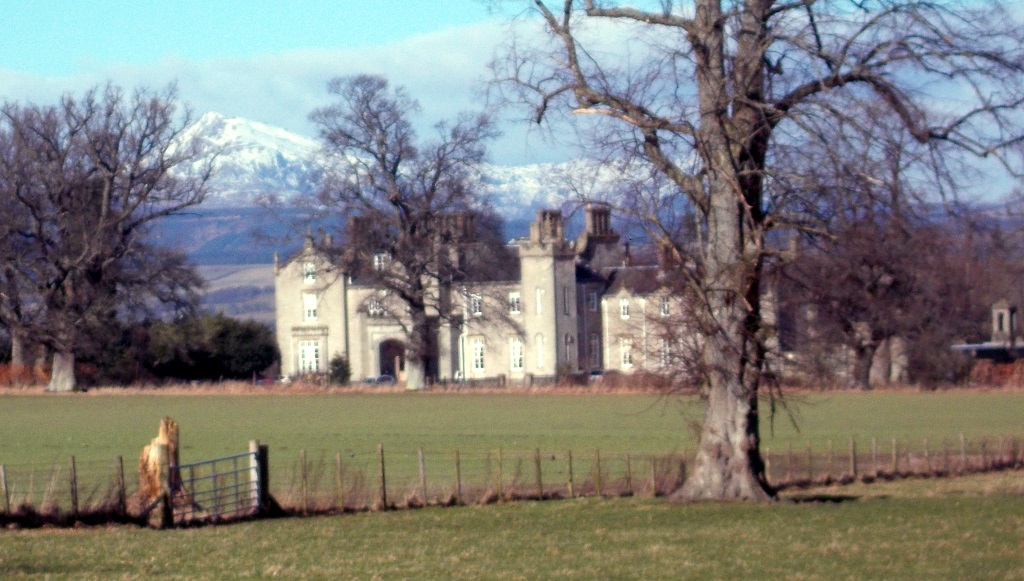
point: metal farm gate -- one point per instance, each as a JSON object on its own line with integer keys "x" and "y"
{"x": 220, "y": 489}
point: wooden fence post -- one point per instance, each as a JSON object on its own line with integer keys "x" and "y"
{"x": 383, "y": 477}
{"x": 598, "y": 484}
{"x": 73, "y": 487}
{"x": 537, "y": 473}
{"x": 789, "y": 463}
{"x": 963, "y": 453}
{"x": 895, "y": 458}
{"x": 831, "y": 462}
{"x": 768, "y": 464}
{"x": 501, "y": 474}
{"x": 569, "y": 485}
{"x": 339, "y": 481}
{"x": 423, "y": 476}
{"x": 853, "y": 458}
{"x": 654, "y": 477}
{"x": 629, "y": 476}
{"x": 927, "y": 458}
{"x": 122, "y": 503}
{"x": 305, "y": 482}
{"x": 164, "y": 472}
{"x": 874, "y": 457}
{"x": 458, "y": 478}
{"x": 6, "y": 491}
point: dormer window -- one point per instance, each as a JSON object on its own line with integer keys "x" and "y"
{"x": 308, "y": 272}
{"x": 375, "y": 309}
{"x": 666, "y": 308}
{"x": 476, "y": 305}
{"x": 381, "y": 260}
{"x": 515, "y": 303}
{"x": 624, "y": 308}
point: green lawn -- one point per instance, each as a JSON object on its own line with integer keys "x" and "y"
{"x": 965, "y": 528}
{"x": 970, "y": 527}
{"x": 48, "y": 428}
{"x": 39, "y": 433}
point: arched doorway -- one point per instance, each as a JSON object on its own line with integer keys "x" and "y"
{"x": 392, "y": 358}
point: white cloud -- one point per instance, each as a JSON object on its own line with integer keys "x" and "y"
{"x": 444, "y": 70}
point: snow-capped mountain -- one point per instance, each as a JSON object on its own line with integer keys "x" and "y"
{"x": 254, "y": 158}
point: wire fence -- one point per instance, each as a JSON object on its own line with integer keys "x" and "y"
{"x": 325, "y": 481}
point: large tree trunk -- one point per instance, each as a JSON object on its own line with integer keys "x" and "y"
{"x": 864, "y": 356}
{"x": 62, "y": 376}
{"x": 728, "y": 465}
{"x": 20, "y": 373}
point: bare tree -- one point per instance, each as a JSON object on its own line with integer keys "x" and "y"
{"x": 87, "y": 178}
{"x": 416, "y": 229}
{"x": 704, "y": 95}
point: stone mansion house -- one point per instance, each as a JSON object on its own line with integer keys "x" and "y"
{"x": 572, "y": 306}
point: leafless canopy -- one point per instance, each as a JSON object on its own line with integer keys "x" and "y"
{"x": 415, "y": 226}
{"x": 83, "y": 181}
{"x": 706, "y": 94}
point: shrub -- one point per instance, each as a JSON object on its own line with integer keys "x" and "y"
{"x": 341, "y": 372}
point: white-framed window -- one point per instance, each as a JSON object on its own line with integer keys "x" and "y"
{"x": 308, "y": 272}
{"x": 565, "y": 301}
{"x": 539, "y": 344}
{"x": 478, "y": 354}
{"x": 515, "y": 303}
{"x": 375, "y": 309}
{"x": 594, "y": 348}
{"x": 569, "y": 341}
{"x": 624, "y": 308}
{"x": 665, "y": 353}
{"x": 309, "y": 356}
{"x": 540, "y": 301}
{"x": 381, "y": 260}
{"x": 666, "y": 307}
{"x": 592, "y": 300}
{"x": 515, "y": 350}
{"x": 626, "y": 352}
{"x": 309, "y": 306}
{"x": 476, "y": 305}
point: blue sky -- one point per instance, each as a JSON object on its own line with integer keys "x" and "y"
{"x": 264, "y": 60}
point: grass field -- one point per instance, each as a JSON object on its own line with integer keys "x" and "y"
{"x": 38, "y": 433}
{"x": 43, "y": 429}
{"x": 963, "y": 528}
{"x": 968, "y": 527}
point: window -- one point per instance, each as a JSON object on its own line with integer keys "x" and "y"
{"x": 380, "y": 260}
{"x": 666, "y": 352}
{"x": 476, "y": 305}
{"x": 515, "y": 349}
{"x": 624, "y": 308}
{"x": 592, "y": 301}
{"x": 309, "y": 356}
{"x": 308, "y": 272}
{"x": 540, "y": 351}
{"x": 540, "y": 301}
{"x": 565, "y": 301}
{"x": 666, "y": 307}
{"x": 594, "y": 349}
{"x": 626, "y": 350}
{"x": 478, "y": 354}
{"x": 515, "y": 305}
{"x": 309, "y": 306}
{"x": 375, "y": 309}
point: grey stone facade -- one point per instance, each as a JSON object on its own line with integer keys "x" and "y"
{"x": 561, "y": 314}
